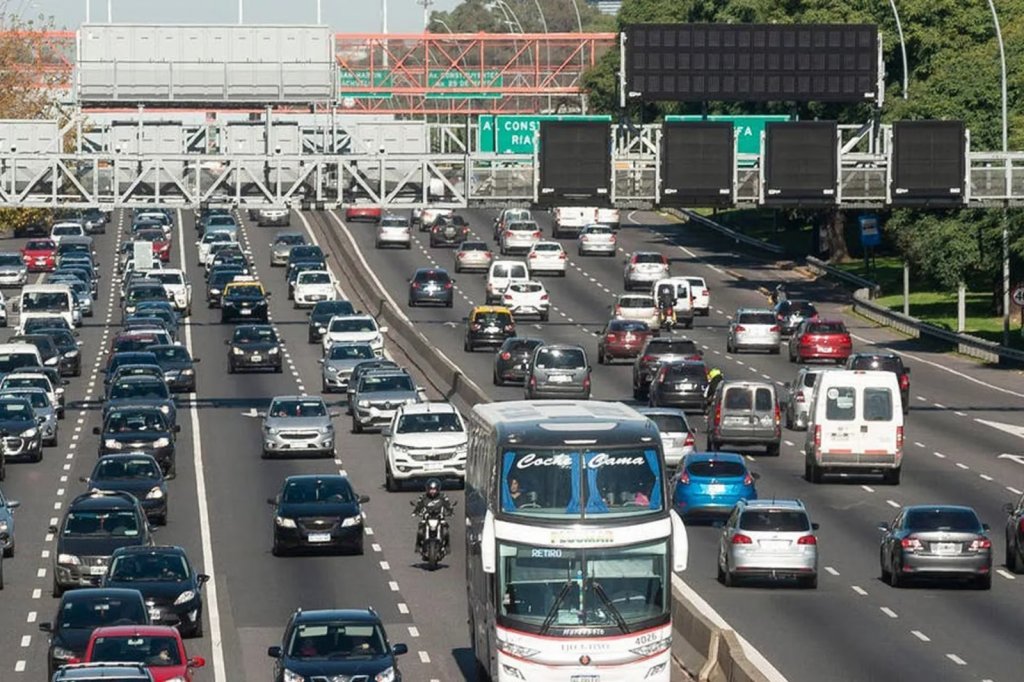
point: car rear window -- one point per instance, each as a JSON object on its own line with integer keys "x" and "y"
{"x": 627, "y": 326}
{"x": 885, "y": 364}
{"x": 716, "y": 468}
{"x": 777, "y": 520}
{"x": 737, "y": 398}
{"x": 493, "y": 318}
{"x": 756, "y": 318}
{"x": 827, "y": 328}
{"x": 877, "y": 404}
{"x": 670, "y": 423}
{"x": 840, "y": 403}
{"x": 636, "y": 302}
{"x": 474, "y": 246}
{"x": 547, "y": 246}
{"x": 673, "y": 347}
{"x": 520, "y": 346}
{"x": 527, "y": 287}
{"x": 648, "y": 258}
{"x": 431, "y": 276}
{"x": 963, "y": 520}
{"x": 560, "y": 358}
{"x": 805, "y": 308}
{"x": 687, "y": 372}
{"x": 763, "y": 400}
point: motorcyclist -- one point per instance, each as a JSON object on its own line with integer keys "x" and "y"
{"x": 779, "y": 294}
{"x": 666, "y": 302}
{"x": 715, "y": 377}
{"x": 433, "y": 500}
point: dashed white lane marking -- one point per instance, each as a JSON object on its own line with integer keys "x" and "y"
{"x": 939, "y": 455}
{"x": 414, "y": 631}
{"x": 922, "y": 398}
{"x": 26, "y": 640}
{"x": 788, "y": 443}
{"x": 1014, "y": 490}
{"x": 859, "y": 590}
{"x": 893, "y": 503}
{"x": 1006, "y": 574}
{"x": 19, "y": 667}
{"x": 920, "y": 635}
{"x": 985, "y": 477}
{"x": 889, "y": 612}
{"x": 956, "y": 659}
{"x": 393, "y": 585}
{"x": 41, "y": 573}
{"x": 403, "y": 608}
{"x": 368, "y": 530}
{"x": 939, "y": 405}
{"x": 375, "y": 547}
{"x": 960, "y": 414}
{"x": 385, "y": 566}
{"x": 831, "y": 571}
{"x": 868, "y": 489}
{"x": 424, "y": 657}
{"x": 37, "y": 593}
{"x": 919, "y": 444}
{"x": 961, "y": 465}
{"x": 32, "y": 615}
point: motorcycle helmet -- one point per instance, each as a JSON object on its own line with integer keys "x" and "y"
{"x": 433, "y": 488}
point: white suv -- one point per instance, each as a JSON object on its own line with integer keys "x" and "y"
{"x": 312, "y": 287}
{"x": 527, "y": 298}
{"x": 501, "y": 275}
{"x": 424, "y": 440}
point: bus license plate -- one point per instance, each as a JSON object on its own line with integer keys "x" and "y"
{"x": 319, "y": 537}
{"x": 585, "y": 678}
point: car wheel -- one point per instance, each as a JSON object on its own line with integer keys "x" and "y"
{"x": 265, "y": 454}
{"x": 497, "y": 380}
{"x": 983, "y": 582}
{"x": 276, "y": 549}
{"x": 775, "y": 351}
{"x": 809, "y": 582}
{"x": 356, "y": 426}
{"x": 545, "y": 317}
{"x": 9, "y": 552}
{"x": 161, "y": 520}
{"x": 390, "y": 484}
{"x": 278, "y": 369}
{"x": 1012, "y": 557}
{"x": 891, "y": 476}
{"x": 721, "y": 573}
{"x": 358, "y": 549}
{"x": 449, "y": 303}
{"x": 773, "y": 449}
{"x": 894, "y": 575}
{"x": 58, "y": 591}
{"x": 466, "y": 347}
{"x": 601, "y": 359}
{"x": 38, "y": 457}
{"x": 729, "y": 578}
{"x": 883, "y": 569}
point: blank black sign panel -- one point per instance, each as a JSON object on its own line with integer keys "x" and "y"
{"x": 929, "y": 160}
{"x": 575, "y": 161}
{"x": 801, "y": 163}
{"x": 697, "y": 163}
{"x": 752, "y": 62}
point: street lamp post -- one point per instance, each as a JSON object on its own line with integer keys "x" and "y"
{"x": 1006, "y": 177}
{"x": 903, "y": 46}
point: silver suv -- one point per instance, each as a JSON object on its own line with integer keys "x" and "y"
{"x": 558, "y": 371}
{"x": 378, "y": 397}
{"x": 798, "y": 396}
{"x": 769, "y": 539}
{"x": 745, "y": 413}
{"x": 754, "y": 329}
{"x": 297, "y": 424}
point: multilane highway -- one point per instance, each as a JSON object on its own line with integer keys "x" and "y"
{"x": 852, "y": 628}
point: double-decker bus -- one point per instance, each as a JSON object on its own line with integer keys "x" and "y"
{"x": 570, "y": 543}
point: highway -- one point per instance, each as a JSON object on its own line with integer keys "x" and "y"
{"x": 852, "y": 628}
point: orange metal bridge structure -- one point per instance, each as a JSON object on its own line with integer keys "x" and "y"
{"x": 432, "y": 73}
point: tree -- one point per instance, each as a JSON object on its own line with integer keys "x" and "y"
{"x": 472, "y": 16}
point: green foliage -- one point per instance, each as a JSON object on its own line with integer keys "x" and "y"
{"x": 559, "y": 16}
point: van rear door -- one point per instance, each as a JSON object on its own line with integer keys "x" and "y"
{"x": 878, "y": 429}
{"x": 840, "y": 430}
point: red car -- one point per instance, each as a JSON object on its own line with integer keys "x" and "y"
{"x": 820, "y": 340}
{"x": 158, "y": 647}
{"x": 40, "y": 255}
{"x": 362, "y": 212}
{"x": 622, "y": 339}
{"x": 161, "y": 243}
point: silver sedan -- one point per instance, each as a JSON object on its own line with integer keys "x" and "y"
{"x": 282, "y": 246}
{"x": 44, "y": 410}
{"x": 339, "y": 361}
{"x": 297, "y": 425}
{"x": 473, "y": 255}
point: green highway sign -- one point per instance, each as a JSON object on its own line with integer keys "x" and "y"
{"x": 508, "y": 134}
{"x": 361, "y": 79}
{"x": 748, "y": 128}
{"x": 436, "y": 78}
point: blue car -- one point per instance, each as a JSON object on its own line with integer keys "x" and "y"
{"x": 711, "y": 483}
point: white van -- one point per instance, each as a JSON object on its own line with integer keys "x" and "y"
{"x": 44, "y": 300}
{"x": 855, "y": 424}
{"x": 503, "y": 273}
{"x": 684, "y": 299}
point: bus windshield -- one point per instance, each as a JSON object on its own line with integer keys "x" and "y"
{"x": 620, "y": 588}
{"x": 560, "y": 483}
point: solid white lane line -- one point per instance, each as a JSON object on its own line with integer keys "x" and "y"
{"x": 889, "y": 612}
{"x": 920, "y": 635}
{"x": 956, "y": 659}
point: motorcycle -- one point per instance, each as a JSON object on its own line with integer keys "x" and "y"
{"x": 434, "y": 546}
{"x": 667, "y": 318}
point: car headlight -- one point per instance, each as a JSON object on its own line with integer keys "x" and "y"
{"x": 399, "y": 449}
{"x": 237, "y": 351}
{"x": 179, "y": 678}
{"x": 516, "y": 650}
{"x": 3, "y": 527}
{"x": 386, "y": 675}
{"x": 364, "y": 403}
{"x": 30, "y": 433}
{"x": 161, "y": 442}
{"x": 62, "y": 654}
{"x": 326, "y": 429}
{"x": 331, "y": 369}
{"x": 51, "y": 361}
{"x": 71, "y": 354}
{"x": 378, "y": 340}
{"x": 275, "y": 350}
{"x": 185, "y": 597}
{"x": 155, "y": 494}
{"x": 214, "y": 292}
{"x": 271, "y": 431}
{"x": 289, "y": 676}
{"x": 166, "y": 409}
{"x": 461, "y": 449}
{"x": 351, "y": 521}
{"x": 187, "y": 372}
{"x": 112, "y": 444}
{"x": 284, "y": 522}
{"x": 322, "y": 330}
{"x": 68, "y": 560}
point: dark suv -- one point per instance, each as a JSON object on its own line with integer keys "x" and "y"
{"x": 657, "y": 351}
{"x": 336, "y": 644}
{"x": 430, "y": 285}
{"x": 680, "y": 384}
{"x": 95, "y": 524}
{"x": 885, "y": 362}
{"x": 321, "y": 315}
{"x": 512, "y": 361}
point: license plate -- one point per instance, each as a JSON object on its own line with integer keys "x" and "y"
{"x": 947, "y": 547}
{"x": 319, "y": 537}
{"x": 97, "y": 570}
{"x": 433, "y": 466}
{"x": 716, "y": 489}
{"x": 737, "y": 420}
{"x": 684, "y": 386}
{"x": 257, "y": 358}
{"x": 245, "y": 311}
{"x": 154, "y": 614}
{"x": 585, "y": 678}
{"x": 491, "y": 330}
{"x": 824, "y": 349}
{"x": 774, "y": 545}
{"x": 560, "y": 379}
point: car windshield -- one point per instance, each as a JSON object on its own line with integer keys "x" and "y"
{"x": 560, "y": 358}
{"x": 353, "y": 324}
{"x": 149, "y": 568}
{"x": 336, "y": 640}
{"x": 774, "y": 520}
{"x": 437, "y": 422}
{"x": 561, "y": 482}
{"x": 522, "y": 346}
{"x": 102, "y": 523}
{"x": 7, "y": 259}
{"x": 139, "y": 389}
{"x": 255, "y": 335}
{"x": 32, "y": 301}
{"x": 130, "y": 422}
{"x": 298, "y": 408}
{"x": 16, "y": 410}
{"x": 172, "y": 354}
{"x": 314, "y": 278}
{"x": 394, "y": 221}
{"x": 327, "y": 309}
{"x": 349, "y": 352}
{"x": 306, "y": 490}
{"x": 387, "y": 382}
{"x": 939, "y": 519}
{"x": 621, "y": 588}
{"x": 245, "y": 290}
{"x": 669, "y": 423}
{"x": 547, "y": 246}
{"x": 716, "y": 468}
{"x": 136, "y": 342}
{"x": 290, "y": 240}
{"x": 40, "y": 245}
{"x": 80, "y": 612}
{"x": 756, "y": 318}
{"x": 218, "y": 236}
{"x": 155, "y": 652}
{"x": 145, "y": 293}
{"x": 513, "y": 271}
{"x": 36, "y": 399}
{"x": 306, "y": 252}
{"x": 127, "y": 469}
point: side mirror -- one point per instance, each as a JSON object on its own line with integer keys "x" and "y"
{"x": 177, "y": 428}
{"x": 65, "y": 382}
{"x": 815, "y": 526}
{"x": 363, "y": 499}
{"x": 96, "y": 430}
{"x": 13, "y": 504}
{"x": 986, "y": 527}
{"x": 194, "y": 360}
{"x": 202, "y": 578}
{"x": 754, "y": 475}
{"x": 196, "y": 662}
{"x": 399, "y": 649}
{"x": 268, "y": 294}
{"x": 274, "y": 651}
{"x": 385, "y": 431}
{"x": 320, "y": 361}
{"x": 261, "y": 415}
{"x": 170, "y": 476}
{"x": 53, "y": 529}
{"x": 906, "y": 370}
{"x": 334, "y": 415}
{"x": 46, "y": 627}
{"x": 883, "y": 526}
{"x": 1008, "y": 507}
{"x": 227, "y": 342}
{"x": 272, "y": 501}
{"x": 383, "y": 330}
{"x": 412, "y": 503}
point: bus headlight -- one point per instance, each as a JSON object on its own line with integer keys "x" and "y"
{"x": 516, "y": 650}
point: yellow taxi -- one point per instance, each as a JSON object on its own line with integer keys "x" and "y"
{"x": 488, "y": 326}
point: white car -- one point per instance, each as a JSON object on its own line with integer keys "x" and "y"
{"x": 501, "y": 275}
{"x": 177, "y": 285}
{"x": 519, "y": 237}
{"x": 640, "y": 307}
{"x": 208, "y": 240}
{"x": 527, "y": 299}
{"x": 424, "y": 440}
{"x": 547, "y": 257}
{"x": 701, "y": 295}
{"x": 643, "y": 269}
{"x": 354, "y": 328}
{"x": 596, "y": 239}
{"x": 66, "y": 229}
{"x": 393, "y": 230}
{"x": 313, "y": 286}
{"x": 508, "y": 216}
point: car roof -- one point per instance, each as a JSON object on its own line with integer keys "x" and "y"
{"x": 297, "y": 397}
{"x": 429, "y": 408}
{"x": 732, "y": 383}
{"x": 357, "y": 615}
{"x": 772, "y": 503}
{"x": 944, "y": 507}
{"x": 316, "y": 477}
{"x": 102, "y": 499}
{"x": 143, "y": 630}
{"x": 754, "y": 310}
{"x": 648, "y": 410}
{"x": 490, "y": 309}
{"x": 100, "y": 592}
{"x": 560, "y": 346}
{"x": 711, "y": 456}
{"x": 438, "y": 271}
{"x": 152, "y": 549}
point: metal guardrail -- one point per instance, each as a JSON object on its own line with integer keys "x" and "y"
{"x": 730, "y": 233}
{"x": 861, "y": 283}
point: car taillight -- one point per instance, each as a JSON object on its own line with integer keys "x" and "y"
{"x": 508, "y": 297}
{"x": 899, "y": 437}
{"x": 817, "y": 436}
{"x": 684, "y": 478}
{"x": 778, "y": 414}
{"x": 911, "y": 543}
{"x": 690, "y": 440}
{"x": 981, "y": 543}
{"x": 646, "y": 358}
{"x": 618, "y": 310}
{"x": 461, "y": 255}
{"x": 533, "y": 254}
{"x": 561, "y": 255}
{"x": 510, "y": 327}
{"x": 610, "y": 337}
{"x": 718, "y": 414}
{"x": 807, "y": 540}
{"x": 846, "y": 340}
{"x": 613, "y": 239}
{"x": 1020, "y": 525}
{"x": 415, "y": 285}
{"x": 805, "y": 340}
{"x": 506, "y": 356}
{"x": 586, "y": 382}
{"x": 536, "y": 235}
{"x": 740, "y": 328}
{"x": 662, "y": 373}
{"x": 705, "y": 292}
{"x": 775, "y": 328}
{"x": 904, "y": 382}
{"x": 447, "y": 285}
{"x": 741, "y": 539}
{"x": 748, "y": 479}
{"x": 508, "y": 233}
{"x": 475, "y": 327}
{"x": 799, "y": 397}
{"x": 544, "y": 297}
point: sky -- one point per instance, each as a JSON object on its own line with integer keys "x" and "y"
{"x": 344, "y": 16}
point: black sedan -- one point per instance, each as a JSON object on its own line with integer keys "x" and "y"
{"x": 430, "y": 285}
{"x": 512, "y": 361}
{"x": 139, "y": 429}
{"x": 141, "y": 390}
{"x": 135, "y": 473}
{"x": 254, "y": 346}
{"x": 70, "y": 362}
{"x": 172, "y": 589}
{"x": 449, "y": 231}
{"x": 322, "y": 313}
{"x": 316, "y": 512}
{"x": 178, "y": 366}
{"x": 679, "y": 384}
{"x": 218, "y": 279}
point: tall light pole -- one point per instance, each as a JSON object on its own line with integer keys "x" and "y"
{"x": 903, "y": 45}
{"x": 241, "y": 11}
{"x": 319, "y": 12}
{"x": 579, "y": 21}
{"x": 1006, "y": 178}
{"x": 110, "y": 11}
{"x": 88, "y": 11}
